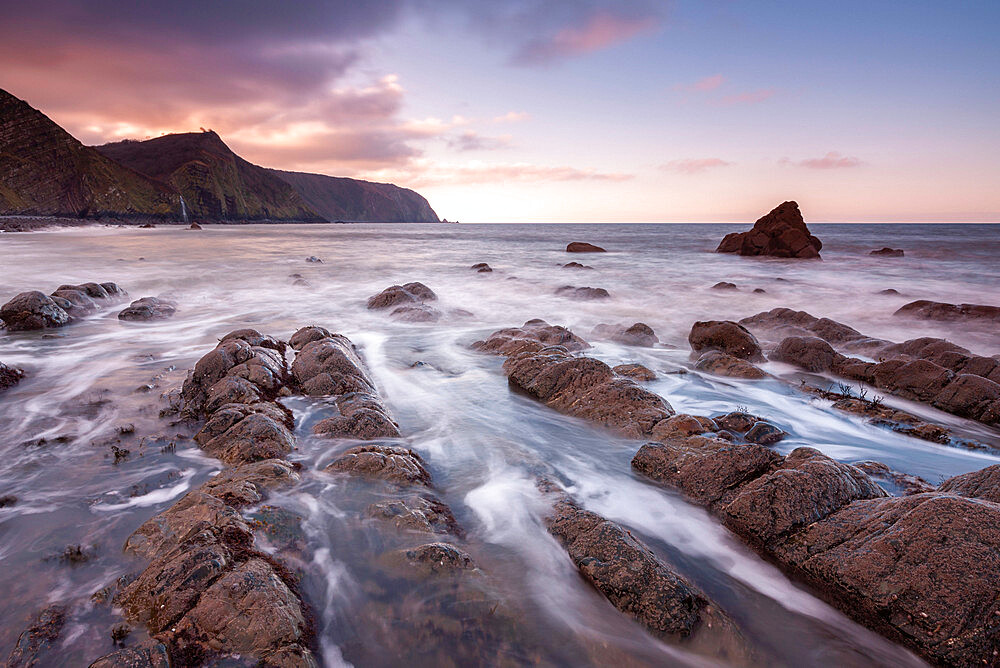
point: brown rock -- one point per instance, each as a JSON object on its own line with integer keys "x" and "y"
{"x": 582, "y": 294}
{"x": 254, "y": 438}
{"x": 737, "y": 421}
{"x": 9, "y": 376}
{"x": 32, "y": 310}
{"x": 151, "y": 655}
{"x": 889, "y": 478}
{"x": 764, "y": 433}
{"x": 727, "y": 336}
{"x": 575, "y": 265}
{"x": 724, "y": 285}
{"x": 635, "y": 372}
{"x": 808, "y": 352}
{"x": 638, "y": 334}
{"x": 416, "y": 313}
{"x": 41, "y": 633}
{"x": 583, "y": 247}
{"x": 307, "y": 335}
{"x": 409, "y": 293}
{"x": 981, "y": 484}
{"x": 888, "y": 252}
{"x": 432, "y": 559}
{"x": 331, "y": 366}
{"x": 533, "y": 336}
{"x": 919, "y": 380}
{"x": 385, "y": 462}
{"x": 972, "y": 397}
{"x": 723, "y": 364}
{"x": 929, "y": 310}
{"x": 683, "y": 425}
{"x": 423, "y": 513}
{"x": 781, "y": 233}
{"x": 148, "y": 308}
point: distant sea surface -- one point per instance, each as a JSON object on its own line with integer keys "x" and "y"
{"x": 484, "y": 444}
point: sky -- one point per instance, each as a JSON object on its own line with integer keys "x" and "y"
{"x": 552, "y": 111}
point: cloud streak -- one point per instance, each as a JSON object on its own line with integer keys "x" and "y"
{"x": 832, "y": 160}
{"x": 694, "y": 165}
{"x": 599, "y": 30}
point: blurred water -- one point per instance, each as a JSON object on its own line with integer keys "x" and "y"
{"x": 484, "y": 445}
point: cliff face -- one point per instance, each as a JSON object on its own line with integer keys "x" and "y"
{"x": 216, "y": 183}
{"x": 354, "y": 201}
{"x": 44, "y": 171}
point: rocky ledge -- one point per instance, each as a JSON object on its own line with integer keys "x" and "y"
{"x": 781, "y": 233}
{"x": 36, "y": 310}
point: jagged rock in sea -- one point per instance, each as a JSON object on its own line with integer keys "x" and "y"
{"x": 729, "y": 337}
{"x": 35, "y": 310}
{"x": 930, "y": 310}
{"x": 9, "y": 376}
{"x": 44, "y": 171}
{"x": 149, "y": 308}
{"x": 781, "y": 233}
{"x": 637, "y": 334}
{"x": 582, "y": 293}
{"x": 408, "y": 293}
{"x": 888, "y": 252}
{"x": 583, "y": 247}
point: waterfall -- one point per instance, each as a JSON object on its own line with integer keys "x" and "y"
{"x": 184, "y": 211}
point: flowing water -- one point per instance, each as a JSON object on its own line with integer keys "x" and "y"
{"x": 98, "y": 383}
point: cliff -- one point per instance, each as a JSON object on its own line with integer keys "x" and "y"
{"x": 354, "y": 201}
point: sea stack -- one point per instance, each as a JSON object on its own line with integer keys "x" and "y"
{"x": 781, "y": 233}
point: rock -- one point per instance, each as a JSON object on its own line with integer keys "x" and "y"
{"x": 635, "y": 371}
{"x": 424, "y": 513}
{"x": 587, "y": 388}
{"x": 153, "y": 655}
{"x": 575, "y": 265}
{"x": 888, "y": 291}
{"x": 410, "y": 293}
{"x": 785, "y": 322}
{"x": 709, "y": 470}
{"x": 888, "y": 252}
{"x": 195, "y": 226}
{"x": 727, "y": 336}
{"x": 9, "y": 376}
{"x": 723, "y": 364}
{"x": 889, "y": 479}
{"x": 632, "y": 577}
{"x": 32, "y": 310}
{"x": 759, "y": 291}
{"x": 682, "y": 425}
{"x": 416, "y": 313}
{"x": 308, "y": 335}
{"x": 723, "y": 285}
{"x": 737, "y": 421}
{"x": 76, "y": 303}
{"x": 314, "y": 259}
{"x": 482, "y": 268}
{"x": 533, "y": 336}
{"x": 7, "y": 500}
{"x": 781, "y": 233}
{"x": 972, "y": 397}
{"x": 919, "y": 380}
{"x": 982, "y": 484}
{"x": 582, "y": 294}
{"x": 583, "y": 247}
{"x": 149, "y": 308}
{"x": 638, "y": 334}
{"x": 385, "y": 462}
{"x": 331, "y": 366}
{"x": 242, "y": 354}
{"x": 764, "y": 433}
{"x": 362, "y": 417}
{"x": 433, "y": 559}
{"x": 929, "y": 310}
{"x": 254, "y": 438}
{"x": 808, "y": 352}
{"x": 40, "y": 635}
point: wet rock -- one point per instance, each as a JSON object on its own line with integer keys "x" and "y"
{"x": 930, "y": 310}
{"x": 385, "y": 462}
{"x": 575, "y": 265}
{"x": 195, "y": 226}
{"x": 638, "y": 334}
{"x": 759, "y": 291}
{"x": 583, "y": 247}
{"x": 154, "y": 655}
{"x": 482, "y": 268}
{"x": 723, "y": 364}
{"x": 331, "y": 366}
{"x": 786, "y": 322}
{"x": 229, "y": 415}
{"x": 582, "y": 293}
{"x": 631, "y": 576}
{"x": 682, "y": 425}
{"x": 245, "y": 354}
{"x": 7, "y": 500}
{"x": 433, "y": 559}
{"x": 40, "y": 635}
{"x": 889, "y": 478}
{"x": 737, "y": 421}
{"x": 635, "y": 372}
{"x": 808, "y": 352}
{"x": 409, "y": 293}
{"x": 727, "y": 336}
{"x": 248, "y": 484}
{"x": 709, "y": 470}
{"x": 32, "y": 310}
{"x": 972, "y": 397}
{"x": 9, "y": 376}
{"x": 919, "y": 380}
{"x": 308, "y": 335}
{"x": 76, "y": 303}
{"x": 149, "y": 308}
{"x": 416, "y": 313}
{"x": 533, "y": 336}
{"x": 723, "y": 285}
{"x": 764, "y": 433}
{"x": 781, "y": 233}
{"x": 587, "y": 388}
{"x": 254, "y": 438}
{"x": 362, "y": 417}
{"x": 424, "y": 513}
{"x": 982, "y": 484}
{"x": 314, "y": 259}
{"x": 888, "y": 291}
{"x": 805, "y": 488}
{"x": 195, "y": 512}
{"x": 888, "y": 252}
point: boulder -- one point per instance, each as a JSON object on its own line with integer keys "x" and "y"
{"x": 394, "y": 295}
{"x": 808, "y": 352}
{"x": 416, "y": 313}
{"x": 362, "y": 417}
{"x": 384, "y": 462}
{"x": 724, "y": 285}
{"x": 32, "y": 310}
{"x": 781, "y": 233}
{"x": 971, "y": 396}
{"x": 149, "y": 308}
{"x": 635, "y": 371}
{"x": 575, "y": 265}
{"x": 195, "y": 226}
{"x": 919, "y": 380}
{"x": 9, "y": 376}
{"x": 424, "y": 513}
{"x": 638, "y": 334}
{"x": 482, "y": 268}
{"x": 930, "y": 310}
{"x": 737, "y": 421}
{"x": 888, "y": 252}
{"x": 533, "y": 336}
{"x": 583, "y": 293}
{"x": 148, "y": 655}
{"x": 727, "y": 336}
{"x": 764, "y": 433}
{"x": 894, "y": 481}
{"x": 331, "y": 366}
{"x": 724, "y": 364}
{"x": 681, "y": 426}
{"x": 982, "y": 484}
{"x": 583, "y": 247}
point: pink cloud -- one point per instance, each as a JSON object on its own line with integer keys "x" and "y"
{"x": 703, "y": 85}
{"x": 694, "y": 165}
{"x": 422, "y": 172}
{"x": 832, "y": 160}
{"x": 599, "y": 31}
{"x": 747, "y": 97}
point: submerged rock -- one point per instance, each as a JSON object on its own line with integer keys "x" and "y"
{"x": 781, "y": 233}
{"x": 149, "y": 308}
{"x": 575, "y": 265}
{"x": 727, "y": 336}
{"x": 724, "y": 285}
{"x": 637, "y": 334}
{"x": 423, "y": 513}
{"x": 888, "y": 252}
{"x": 42, "y": 633}
{"x": 9, "y": 376}
{"x": 482, "y": 268}
{"x": 385, "y": 462}
{"x": 583, "y": 247}
{"x": 582, "y": 294}
{"x": 930, "y": 310}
